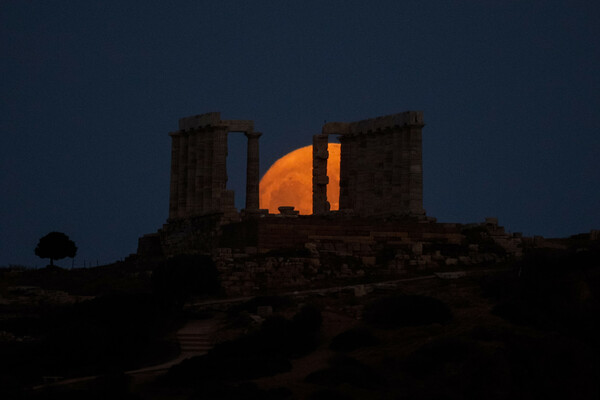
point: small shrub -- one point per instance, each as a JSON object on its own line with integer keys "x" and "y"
{"x": 406, "y": 310}
{"x": 346, "y": 370}
{"x": 244, "y": 390}
{"x": 329, "y": 394}
{"x": 262, "y": 353}
{"x": 278, "y": 303}
{"x": 353, "y": 339}
{"x": 308, "y": 319}
{"x": 184, "y": 276}
{"x": 229, "y": 361}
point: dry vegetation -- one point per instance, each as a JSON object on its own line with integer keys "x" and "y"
{"x": 528, "y": 331}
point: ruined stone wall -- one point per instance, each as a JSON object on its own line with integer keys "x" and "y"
{"x": 319, "y": 175}
{"x": 199, "y": 167}
{"x": 381, "y": 164}
{"x": 302, "y": 252}
{"x": 193, "y": 235}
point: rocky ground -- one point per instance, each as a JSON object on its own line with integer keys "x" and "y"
{"x": 525, "y": 330}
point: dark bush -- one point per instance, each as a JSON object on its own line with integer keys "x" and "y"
{"x": 114, "y": 386}
{"x": 406, "y": 310}
{"x": 502, "y": 364}
{"x": 347, "y": 370}
{"x": 262, "y": 353}
{"x": 184, "y": 276}
{"x": 291, "y": 338}
{"x": 245, "y": 390}
{"x": 308, "y": 319}
{"x": 105, "y": 334}
{"x": 329, "y": 394}
{"x": 553, "y": 290}
{"x": 353, "y": 339}
{"x": 225, "y": 365}
{"x": 277, "y": 302}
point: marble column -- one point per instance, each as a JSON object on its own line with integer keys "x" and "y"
{"x": 191, "y": 173}
{"x": 252, "y": 172}
{"x": 319, "y": 172}
{"x": 182, "y": 176}
{"x": 199, "y": 172}
{"x": 415, "y": 171}
{"x": 219, "y": 169}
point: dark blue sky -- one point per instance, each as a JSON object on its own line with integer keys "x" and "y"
{"x": 90, "y": 90}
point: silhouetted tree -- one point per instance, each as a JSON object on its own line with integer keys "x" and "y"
{"x": 55, "y": 246}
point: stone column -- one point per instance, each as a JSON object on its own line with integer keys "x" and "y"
{"x": 348, "y": 172}
{"x": 344, "y": 171}
{"x": 320, "y": 178}
{"x": 252, "y": 172}
{"x": 199, "y": 173}
{"x": 415, "y": 175}
{"x": 191, "y": 173}
{"x": 208, "y": 172}
{"x": 219, "y": 168}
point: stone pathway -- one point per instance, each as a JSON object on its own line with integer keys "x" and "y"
{"x": 194, "y": 337}
{"x": 194, "y": 340}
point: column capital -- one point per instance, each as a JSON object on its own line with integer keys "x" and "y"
{"x": 252, "y": 135}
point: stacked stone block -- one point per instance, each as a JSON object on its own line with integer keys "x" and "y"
{"x": 199, "y": 167}
{"x": 319, "y": 174}
{"x": 381, "y": 164}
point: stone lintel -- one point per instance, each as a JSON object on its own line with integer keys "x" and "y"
{"x": 246, "y": 126}
{"x": 336, "y": 128}
{"x": 200, "y": 120}
{"x": 407, "y": 118}
{"x": 251, "y": 134}
{"x": 213, "y": 119}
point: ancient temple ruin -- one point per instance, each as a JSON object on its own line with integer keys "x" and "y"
{"x": 380, "y": 230}
{"x": 199, "y": 170}
{"x": 381, "y": 171}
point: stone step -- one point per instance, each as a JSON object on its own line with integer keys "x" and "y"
{"x": 194, "y": 339}
{"x": 195, "y": 349}
{"x": 191, "y": 335}
{"x": 207, "y": 343}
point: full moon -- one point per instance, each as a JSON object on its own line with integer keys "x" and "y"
{"x": 289, "y": 181}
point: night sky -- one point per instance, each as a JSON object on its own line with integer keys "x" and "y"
{"x": 90, "y": 89}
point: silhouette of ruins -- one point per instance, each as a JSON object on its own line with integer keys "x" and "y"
{"x": 381, "y": 170}
{"x": 381, "y": 228}
{"x": 199, "y": 167}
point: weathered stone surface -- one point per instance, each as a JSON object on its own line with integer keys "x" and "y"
{"x": 288, "y": 211}
{"x": 380, "y": 228}
{"x": 199, "y": 170}
{"x": 319, "y": 174}
{"x": 252, "y": 172}
{"x": 381, "y": 164}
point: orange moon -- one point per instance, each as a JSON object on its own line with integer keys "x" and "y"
{"x": 289, "y": 181}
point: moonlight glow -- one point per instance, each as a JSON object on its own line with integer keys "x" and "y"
{"x": 289, "y": 181}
